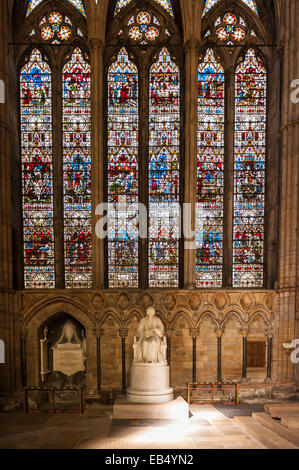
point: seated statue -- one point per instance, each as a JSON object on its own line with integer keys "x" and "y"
{"x": 150, "y": 343}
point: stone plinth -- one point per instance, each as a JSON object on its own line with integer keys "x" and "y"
{"x": 290, "y": 421}
{"x": 176, "y": 409}
{"x": 149, "y": 384}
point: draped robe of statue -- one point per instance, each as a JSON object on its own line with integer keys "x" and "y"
{"x": 149, "y": 348}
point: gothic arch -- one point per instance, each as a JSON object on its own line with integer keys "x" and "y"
{"x": 110, "y": 313}
{"x": 211, "y": 316}
{"x": 233, "y": 314}
{"x": 181, "y": 314}
{"x": 260, "y": 313}
{"x": 38, "y": 316}
{"x": 133, "y": 314}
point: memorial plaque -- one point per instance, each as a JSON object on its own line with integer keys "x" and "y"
{"x": 68, "y": 359}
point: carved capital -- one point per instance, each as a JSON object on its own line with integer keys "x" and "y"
{"x": 191, "y": 43}
{"x": 194, "y": 332}
{"x": 219, "y": 332}
{"x": 98, "y": 332}
{"x": 244, "y": 332}
{"x": 96, "y": 43}
{"x": 123, "y": 332}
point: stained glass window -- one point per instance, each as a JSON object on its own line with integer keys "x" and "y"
{"x": 210, "y": 161}
{"x": 37, "y": 170}
{"x": 78, "y": 4}
{"x": 122, "y": 172}
{"x": 249, "y": 171}
{"x": 231, "y": 29}
{"x": 166, "y": 4}
{"x": 77, "y": 171}
{"x": 164, "y": 160}
{"x": 210, "y": 3}
{"x": 143, "y": 28}
{"x": 55, "y": 29}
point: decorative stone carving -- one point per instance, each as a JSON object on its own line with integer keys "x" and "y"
{"x": 246, "y": 301}
{"x": 123, "y": 301}
{"x": 169, "y": 301}
{"x": 269, "y": 301}
{"x": 97, "y": 302}
{"x": 194, "y": 300}
{"x": 220, "y": 301}
{"x": 145, "y": 301}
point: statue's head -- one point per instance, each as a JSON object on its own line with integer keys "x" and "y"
{"x": 150, "y": 311}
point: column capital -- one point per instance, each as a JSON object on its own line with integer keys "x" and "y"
{"x": 123, "y": 332}
{"x": 95, "y": 42}
{"x": 219, "y": 332}
{"x": 191, "y": 43}
{"x": 98, "y": 332}
{"x": 194, "y": 332}
{"x": 244, "y": 332}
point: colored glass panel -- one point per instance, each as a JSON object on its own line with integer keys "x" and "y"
{"x": 152, "y": 33}
{"x": 249, "y": 171}
{"x": 210, "y": 3}
{"x": 210, "y": 177}
{"x": 229, "y": 29}
{"x": 123, "y": 172}
{"x": 55, "y": 27}
{"x": 164, "y": 158}
{"x": 78, "y": 4}
{"x": 77, "y": 171}
{"x": 251, "y": 4}
{"x": 37, "y": 172}
{"x": 143, "y": 27}
{"x": 135, "y": 33}
{"x": 166, "y": 4}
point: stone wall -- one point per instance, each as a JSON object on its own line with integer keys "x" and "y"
{"x": 113, "y": 315}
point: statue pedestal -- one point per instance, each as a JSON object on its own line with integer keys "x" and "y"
{"x": 149, "y": 384}
{"x": 175, "y": 410}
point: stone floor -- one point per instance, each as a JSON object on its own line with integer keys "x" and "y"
{"x": 208, "y": 428}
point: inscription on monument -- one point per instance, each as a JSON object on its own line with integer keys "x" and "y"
{"x": 68, "y": 359}
{"x": 69, "y": 356}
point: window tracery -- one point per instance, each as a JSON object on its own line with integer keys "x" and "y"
{"x": 37, "y": 171}
{"x": 210, "y": 171}
{"x": 122, "y": 165}
{"x": 211, "y": 3}
{"x": 249, "y": 171}
{"x": 78, "y": 4}
{"x": 77, "y": 170}
{"x": 166, "y": 4}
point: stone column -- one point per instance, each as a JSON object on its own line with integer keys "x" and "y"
{"x": 9, "y": 372}
{"x": 219, "y": 334}
{"x": 23, "y": 359}
{"x": 191, "y": 65}
{"x": 194, "y": 333}
{"x": 123, "y": 333}
{"x": 168, "y": 332}
{"x": 96, "y": 47}
{"x": 269, "y": 357}
{"x": 244, "y": 334}
{"x": 99, "y": 332}
{"x": 289, "y": 171}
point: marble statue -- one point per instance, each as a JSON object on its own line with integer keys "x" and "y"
{"x": 150, "y": 343}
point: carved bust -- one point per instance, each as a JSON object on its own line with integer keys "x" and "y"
{"x": 150, "y": 342}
